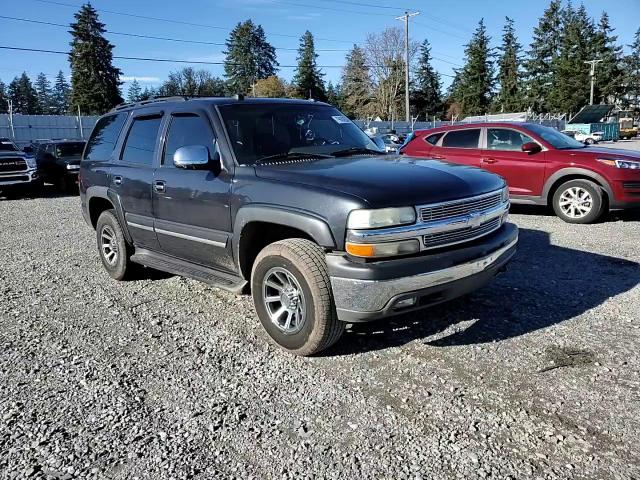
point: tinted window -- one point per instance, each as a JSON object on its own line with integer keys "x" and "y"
{"x": 433, "y": 139}
{"x": 7, "y": 146}
{"x": 104, "y": 137}
{"x": 462, "y": 138}
{"x": 504, "y": 139}
{"x": 69, "y": 149}
{"x": 186, "y": 130}
{"x": 141, "y": 141}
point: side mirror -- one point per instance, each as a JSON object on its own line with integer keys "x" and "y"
{"x": 531, "y": 148}
{"x": 191, "y": 156}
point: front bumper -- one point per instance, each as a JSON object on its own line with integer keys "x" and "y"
{"x": 364, "y": 292}
{"x": 23, "y": 177}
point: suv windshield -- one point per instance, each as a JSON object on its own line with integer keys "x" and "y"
{"x": 557, "y": 139}
{"x": 7, "y": 146}
{"x": 71, "y": 149}
{"x": 274, "y": 130}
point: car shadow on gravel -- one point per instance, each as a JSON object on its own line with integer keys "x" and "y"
{"x": 544, "y": 285}
{"x": 46, "y": 191}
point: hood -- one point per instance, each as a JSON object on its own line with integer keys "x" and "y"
{"x": 5, "y": 154}
{"x": 387, "y": 181}
{"x": 612, "y": 153}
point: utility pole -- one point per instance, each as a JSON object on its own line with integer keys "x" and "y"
{"x": 593, "y": 64}
{"x": 405, "y": 19}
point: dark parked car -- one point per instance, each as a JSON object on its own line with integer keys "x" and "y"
{"x": 59, "y": 162}
{"x": 541, "y": 165}
{"x": 18, "y": 170}
{"x": 291, "y": 200}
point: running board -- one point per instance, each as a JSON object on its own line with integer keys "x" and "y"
{"x": 183, "y": 268}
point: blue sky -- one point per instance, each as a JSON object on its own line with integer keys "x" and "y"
{"x": 336, "y": 24}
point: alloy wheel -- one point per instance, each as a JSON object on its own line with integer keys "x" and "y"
{"x": 576, "y": 202}
{"x": 109, "y": 245}
{"x": 284, "y": 300}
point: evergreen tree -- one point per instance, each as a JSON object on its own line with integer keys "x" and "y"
{"x": 544, "y": 50}
{"x": 477, "y": 76}
{"x": 249, "y": 57}
{"x": 427, "y": 87}
{"x": 569, "y": 91}
{"x": 4, "y": 98}
{"x": 334, "y": 95}
{"x": 608, "y": 82}
{"x": 60, "y": 95}
{"x": 23, "y": 96}
{"x": 632, "y": 72}
{"x": 147, "y": 93}
{"x": 43, "y": 90}
{"x": 96, "y": 84}
{"x": 308, "y": 77}
{"x": 356, "y": 84}
{"x": 134, "y": 92}
{"x": 192, "y": 83}
{"x": 510, "y": 96}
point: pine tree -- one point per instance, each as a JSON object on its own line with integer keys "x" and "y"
{"x": 95, "y": 81}
{"x": 356, "y": 84}
{"x": 632, "y": 72}
{"x": 134, "y": 92}
{"x": 249, "y": 57}
{"x": 147, "y": 93}
{"x": 334, "y": 95}
{"x": 608, "y": 82}
{"x": 569, "y": 91}
{"x": 308, "y": 77}
{"x": 4, "y": 98}
{"x": 60, "y": 95}
{"x": 509, "y": 98}
{"x": 427, "y": 86}
{"x": 192, "y": 83}
{"x": 43, "y": 90}
{"x": 477, "y": 76}
{"x": 23, "y": 96}
{"x": 544, "y": 50}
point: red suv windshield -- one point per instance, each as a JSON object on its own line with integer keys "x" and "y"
{"x": 555, "y": 138}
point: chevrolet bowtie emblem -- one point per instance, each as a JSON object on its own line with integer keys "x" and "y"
{"x": 474, "y": 219}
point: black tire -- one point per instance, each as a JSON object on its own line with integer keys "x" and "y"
{"x": 305, "y": 262}
{"x": 118, "y": 267}
{"x": 66, "y": 184}
{"x": 597, "y": 204}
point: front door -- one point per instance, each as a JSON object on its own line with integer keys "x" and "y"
{"x": 132, "y": 174}
{"x": 523, "y": 172}
{"x": 191, "y": 207}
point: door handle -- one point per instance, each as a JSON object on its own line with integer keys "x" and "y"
{"x": 489, "y": 160}
{"x": 117, "y": 180}
{"x": 437, "y": 157}
{"x": 159, "y": 185}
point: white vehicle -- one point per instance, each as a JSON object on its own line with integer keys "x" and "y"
{"x": 589, "y": 138}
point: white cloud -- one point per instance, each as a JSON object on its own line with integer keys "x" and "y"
{"x": 131, "y": 78}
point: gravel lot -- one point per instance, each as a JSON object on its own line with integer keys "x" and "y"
{"x": 536, "y": 376}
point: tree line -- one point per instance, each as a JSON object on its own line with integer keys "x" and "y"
{"x": 550, "y": 76}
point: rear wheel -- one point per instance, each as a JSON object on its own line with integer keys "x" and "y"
{"x": 589, "y": 141}
{"x": 579, "y": 201}
{"x": 292, "y": 296}
{"x": 113, "y": 248}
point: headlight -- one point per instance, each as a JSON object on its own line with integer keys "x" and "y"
{"x": 612, "y": 162}
{"x": 379, "y": 250}
{"x": 505, "y": 194}
{"x": 31, "y": 162}
{"x": 383, "y": 217}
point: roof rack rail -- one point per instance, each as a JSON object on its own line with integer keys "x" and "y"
{"x": 176, "y": 98}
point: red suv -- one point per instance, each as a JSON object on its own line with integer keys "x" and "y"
{"x": 541, "y": 165}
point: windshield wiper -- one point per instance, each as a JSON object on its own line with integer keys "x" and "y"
{"x": 355, "y": 151}
{"x": 291, "y": 155}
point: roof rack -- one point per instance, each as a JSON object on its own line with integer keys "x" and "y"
{"x": 176, "y": 98}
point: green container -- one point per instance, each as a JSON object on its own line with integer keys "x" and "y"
{"x": 610, "y": 131}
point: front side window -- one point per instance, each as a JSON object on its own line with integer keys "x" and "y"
{"x": 263, "y": 130}
{"x": 506, "y": 139}
{"x": 141, "y": 141}
{"x": 185, "y": 130}
{"x": 462, "y": 138}
{"x": 104, "y": 137}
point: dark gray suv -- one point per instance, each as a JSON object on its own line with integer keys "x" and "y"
{"x": 290, "y": 200}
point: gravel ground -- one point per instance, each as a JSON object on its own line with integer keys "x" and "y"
{"x": 535, "y": 376}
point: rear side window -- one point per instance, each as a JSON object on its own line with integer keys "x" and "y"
{"x": 462, "y": 138}
{"x": 433, "y": 138}
{"x": 104, "y": 137}
{"x": 186, "y": 130}
{"x": 141, "y": 141}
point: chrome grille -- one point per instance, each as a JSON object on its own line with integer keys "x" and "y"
{"x": 460, "y": 207}
{"x": 12, "y": 164}
{"x": 462, "y": 235}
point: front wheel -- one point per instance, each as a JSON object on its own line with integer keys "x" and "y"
{"x": 293, "y": 298}
{"x": 579, "y": 201}
{"x": 589, "y": 141}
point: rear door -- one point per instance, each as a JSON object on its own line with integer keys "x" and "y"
{"x": 524, "y": 172}
{"x": 132, "y": 175}
{"x": 191, "y": 207}
{"x": 459, "y": 146}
